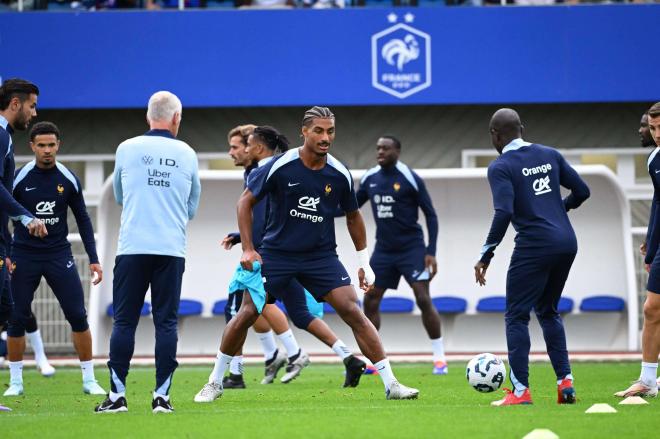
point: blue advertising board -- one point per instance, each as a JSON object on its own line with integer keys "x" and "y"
{"x": 336, "y": 57}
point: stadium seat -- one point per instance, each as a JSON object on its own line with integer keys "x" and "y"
{"x": 565, "y": 305}
{"x": 450, "y": 304}
{"x": 146, "y": 309}
{"x": 189, "y": 307}
{"x": 492, "y": 304}
{"x": 396, "y": 305}
{"x": 602, "y": 304}
{"x": 219, "y": 307}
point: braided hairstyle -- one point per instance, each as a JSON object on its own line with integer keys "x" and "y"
{"x": 317, "y": 112}
{"x": 271, "y": 138}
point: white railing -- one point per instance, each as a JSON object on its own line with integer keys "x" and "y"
{"x": 634, "y": 186}
{"x": 94, "y": 175}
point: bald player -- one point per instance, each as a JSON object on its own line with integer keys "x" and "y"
{"x": 526, "y": 181}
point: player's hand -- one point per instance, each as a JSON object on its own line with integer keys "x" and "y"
{"x": 96, "y": 269}
{"x": 648, "y": 267}
{"x": 367, "y": 278}
{"x": 364, "y": 284}
{"x": 37, "y": 228}
{"x": 248, "y": 257}
{"x": 480, "y": 273}
{"x": 642, "y": 249}
{"x": 431, "y": 265}
{"x": 227, "y": 243}
{"x": 10, "y": 266}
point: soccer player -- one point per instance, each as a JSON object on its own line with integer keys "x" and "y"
{"x": 18, "y": 103}
{"x": 48, "y": 189}
{"x": 647, "y": 384}
{"x": 525, "y": 181}
{"x": 396, "y": 194}
{"x": 272, "y": 318}
{"x": 645, "y": 137}
{"x": 156, "y": 180}
{"x": 304, "y": 187}
{"x": 261, "y": 147}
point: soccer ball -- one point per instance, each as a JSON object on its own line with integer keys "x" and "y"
{"x": 485, "y": 373}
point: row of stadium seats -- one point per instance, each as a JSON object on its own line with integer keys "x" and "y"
{"x": 403, "y": 305}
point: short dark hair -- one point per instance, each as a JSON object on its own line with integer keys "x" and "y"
{"x": 654, "y": 111}
{"x": 273, "y": 139}
{"x": 317, "y": 112}
{"x": 397, "y": 142}
{"x": 16, "y": 87}
{"x": 45, "y": 127}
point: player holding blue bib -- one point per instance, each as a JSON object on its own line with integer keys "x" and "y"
{"x": 396, "y": 194}
{"x": 304, "y": 188}
{"x": 526, "y": 182}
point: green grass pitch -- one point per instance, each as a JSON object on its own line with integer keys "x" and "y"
{"x": 315, "y": 406}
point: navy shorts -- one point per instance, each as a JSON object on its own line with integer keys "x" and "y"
{"x": 390, "y": 266}
{"x": 62, "y": 277}
{"x": 653, "y": 284}
{"x": 234, "y": 302}
{"x": 319, "y": 274}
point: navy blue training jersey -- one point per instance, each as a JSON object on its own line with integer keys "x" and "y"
{"x": 48, "y": 194}
{"x": 653, "y": 233}
{"x": 525, "y": 181}
{"x": 396, "y": 195}
{"x": 8, "y": 206}
{"x": 302, "y": 203}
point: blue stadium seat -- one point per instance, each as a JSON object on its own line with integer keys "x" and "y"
{"x": 396, "y": 305}
{"x": 565, "y": 305}
{"x": 602, "y": 304}
{"x": 450, "y": 304}
{"x": 492, "y": 304}
{"x": 146, "y": 309}
{"x": 219, "y": 307}
{"x": 189, "y": 307}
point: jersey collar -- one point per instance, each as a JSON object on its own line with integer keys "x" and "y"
{"x": 163, "y": 133}
{"x": 4, "y": 123}
{"x": 515, "y": 144}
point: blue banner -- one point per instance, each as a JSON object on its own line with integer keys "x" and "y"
{"x": 336, "y": 57}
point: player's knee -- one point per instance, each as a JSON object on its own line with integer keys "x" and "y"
{"x": 424, "y": 303}
{"x": 15, "y": 328}
{"x": 247, "y": 313}
{"x": 652, "y": 311}
{"x": 78, "y": 322}
{"x": 301, "y": 319}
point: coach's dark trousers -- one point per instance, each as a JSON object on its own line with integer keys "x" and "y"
{"x": 536, "y": 282}
{"x": 133, "y": 274}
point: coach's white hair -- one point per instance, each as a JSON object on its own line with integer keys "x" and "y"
{"x": 162, "y": 106}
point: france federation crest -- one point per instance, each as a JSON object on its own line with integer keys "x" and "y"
{"x": 401, "y": 59}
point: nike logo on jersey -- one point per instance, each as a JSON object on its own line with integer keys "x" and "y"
{"x": 28, "y": 189}
{"x": 373, "y": 184}
{"x": 344, "y": 278}
{"x": 656, "y": 171}
{"x": 69, "y": 264}
{"x": 293, "y": 184}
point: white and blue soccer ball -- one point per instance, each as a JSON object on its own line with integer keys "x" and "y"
{"x": 485, "y": 373}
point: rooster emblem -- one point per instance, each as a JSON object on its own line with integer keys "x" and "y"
{"x": 403, "y": 51}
